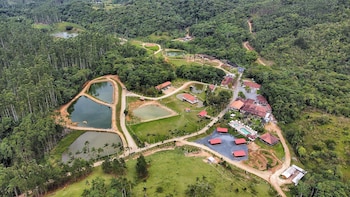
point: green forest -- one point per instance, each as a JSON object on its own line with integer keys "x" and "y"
{"x": 307, "y": 85}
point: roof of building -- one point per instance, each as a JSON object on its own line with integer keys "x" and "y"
{"x": 252, "y": 84}
{"x": 189, "y": 97}
{"x": 211, "y": 87}
{"x": 238, "y": 104}
{"x": 227, "y": 80}
{"x": 215, "y": 141}
{"x": 163, "y": 85}
{"x": 269, "y": 138}
{"x": 240, "y": 141}
{"x": 202, "y": 113}
{"x": 297, "y": 178}
{"x": 222, "y": 130}
{"x": 261, "y": 99}
{"x": 239, "y": 153}
{"x": 252, "y": 108}
{"x": 289, "y": 172}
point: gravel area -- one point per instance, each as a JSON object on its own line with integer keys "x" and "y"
{"x": 226, "y": 147}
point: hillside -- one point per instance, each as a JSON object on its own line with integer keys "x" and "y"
{"x": 308, "y": 84}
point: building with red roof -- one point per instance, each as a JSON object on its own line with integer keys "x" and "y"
{"x": 203, "y": 114}
{"x": 240, "y": 141}
{"x": 261, "y": 100}
{"x": 215, "y": 141}
{"x": 189, "y": 98}
{"x": 239, "y": 153}
{"x": 221, "y": 130}
{"x": 212, "y": 87}
{"x": 252, "y": 108}
{"x": 237, "y": 105}
{"x": 269, "y": 139}
{"x": 227, "y": 80}
{"x": 163, "y": 85}
{"x": 252, "y": 84}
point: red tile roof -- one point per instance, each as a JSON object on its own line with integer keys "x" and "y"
{"x": 261, "y": 99}
{"x": 240, "y": 141}
{"x": 189, "y": 97}
{"x": 254, "y": 109}
{"x": 252, "y": 84}
{"x": 202, "y": 113}
{"x": 238, "y": 104}
{"x": 269, "y": 138}
{"x": 239, "y": 153}
{"x": 163, "y": 85}
{"x": 222, "y": 130}
{"x": 215, "y": 141}
{"x": 227, "y": 80}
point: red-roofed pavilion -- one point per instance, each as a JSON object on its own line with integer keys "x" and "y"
{"x": 215, "y": 141}
{"x": 222, "y": 130}
{"x": 240, "y": 141}
{"x": 239, "y": 153}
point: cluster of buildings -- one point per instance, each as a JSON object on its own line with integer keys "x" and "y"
{"x": 237, "y": 141}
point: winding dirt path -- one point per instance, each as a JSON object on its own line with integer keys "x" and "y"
{"x": 246, "y": 45}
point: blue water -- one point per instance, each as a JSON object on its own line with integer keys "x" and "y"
{"x": 88, "y": 113}
{"x": 245, "y": 131}
{"x": 103, "y": 91}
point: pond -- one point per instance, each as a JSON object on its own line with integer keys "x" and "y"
{"x": 103, "y": 91}
{"x": 88, "y": 113}
{"x": 175, "y": 53}
{"x": 64, "y": 35}
{"x": 93, "y": 144}
{"x": 149, "y": 112}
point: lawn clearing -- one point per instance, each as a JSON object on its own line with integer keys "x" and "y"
{"x": 173, "y": 172}
{"x": 77, "y": 188}
{"x": 181, "y": 124}
{"x": 42, "y": 26}
{"x": 61, "y": 27}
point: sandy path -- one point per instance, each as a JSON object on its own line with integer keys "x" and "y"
{"x": 159, "y": 47}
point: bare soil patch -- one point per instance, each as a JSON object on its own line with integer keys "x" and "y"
{"x": 262, "y": 158}
{"x": 169, "y": 90}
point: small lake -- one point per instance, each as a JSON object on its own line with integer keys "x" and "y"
{"x": 88, "y": 113}
{"x": 150, "y": 112}
{"x": 103, "y": 91}
{"x": 93, "y": 144}
{"x": 175, "y": 53}
{"x": 64, "y": 35}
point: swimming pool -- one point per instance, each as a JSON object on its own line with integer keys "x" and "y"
{"x": 245, "y": 131}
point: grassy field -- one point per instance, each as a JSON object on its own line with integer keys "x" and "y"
{"x": 42, "y": 26}
{"x": 63, "y": 145}
{"x": 152, "y": 48}
{"x": 173, "y": 172}
{"x": 184, "y": 123}
{"x": 61, "y": 27}
{"x": 324, "y": 136}
{"x": 76, "y": 189}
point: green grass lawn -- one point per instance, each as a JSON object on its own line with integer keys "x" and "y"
{"x": 277, "y": 148}
{"x": 63, "y": 145}
{"x": 61, "y": 27}
{"x": 173, "y": 172}
{"x": 77, "y": 188}
{"x": 152, "y": 48}
{"x": 42, "y": 26}
{"x": 183, "y": 123}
